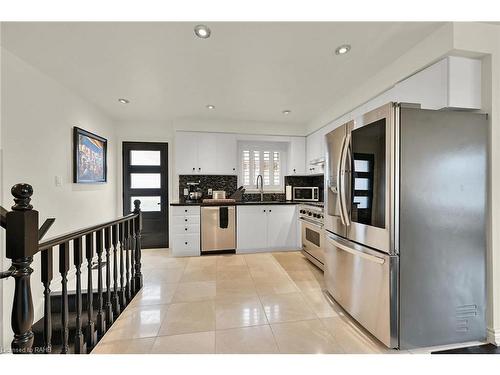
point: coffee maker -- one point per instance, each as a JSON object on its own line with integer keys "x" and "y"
{"x": 194, "y": 193}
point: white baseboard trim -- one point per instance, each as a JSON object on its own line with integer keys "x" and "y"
{"x": 493, "y": 336}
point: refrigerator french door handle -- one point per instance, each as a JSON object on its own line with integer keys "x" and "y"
{"x": 371, "y": 258}
{"x": 342, "y": 182}
{"x": 339, "y": 182}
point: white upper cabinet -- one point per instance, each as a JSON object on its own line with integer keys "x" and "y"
{"x": 226, "y": 154}
{"x": 186, "y": 153}
{"x": 454, "y": 82}
{"x": 205, "y": 153}
{"x": 296, "y": 156}
{"x": 315, "y": 151}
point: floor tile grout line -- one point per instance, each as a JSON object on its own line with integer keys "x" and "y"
{"x": 265, "y": 313}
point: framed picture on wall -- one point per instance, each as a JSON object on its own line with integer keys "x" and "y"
{"x": 89, "y": 157}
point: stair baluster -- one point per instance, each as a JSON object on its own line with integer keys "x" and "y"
{"x": 126, "y": 243}
{"x": 77, "y": 261}
{"x": 116, "y": 300}
{"x": 47, "y": 274}
{"x": 89, "y": 252}
{"x": 100, "y": 322}
{"x": 108, "y": 305}
{"x": 123, "y": 299}
{"x": 131, "y": 237}
{"x": 138, "y": 248}
{"x": 63, "y": 270}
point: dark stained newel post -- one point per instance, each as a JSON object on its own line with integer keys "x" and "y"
{"x": 21, "y": 246}
{"x": 138, "y": 230}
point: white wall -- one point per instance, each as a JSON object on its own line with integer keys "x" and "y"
{"x": 37, "y": 118}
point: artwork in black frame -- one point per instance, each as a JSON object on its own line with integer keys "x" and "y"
{"x": 89, "y": 157}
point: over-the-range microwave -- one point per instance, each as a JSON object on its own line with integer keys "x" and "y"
{"x": 310, "y": 193}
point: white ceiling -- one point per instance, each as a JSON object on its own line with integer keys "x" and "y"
{"x": 249, "y": 71}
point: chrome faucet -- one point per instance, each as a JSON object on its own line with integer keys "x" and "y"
{"x": 261, "y": 186}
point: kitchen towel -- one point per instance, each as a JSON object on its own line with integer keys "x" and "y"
{"x": 223, "y": 217}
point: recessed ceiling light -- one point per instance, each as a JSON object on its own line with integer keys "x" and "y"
{"x": 343, "y": 49}
{"x": 210, "y": 106}
{"x": 202, "y": 31}
{"x": 124, "y": 101}
{"x": 286, "y": 112}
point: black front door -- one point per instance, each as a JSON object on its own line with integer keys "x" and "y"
{"x": 145, "y": 177}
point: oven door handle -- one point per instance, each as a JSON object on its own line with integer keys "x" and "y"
{"x": 304, "y": 220}
{"x": 371, "y": 258}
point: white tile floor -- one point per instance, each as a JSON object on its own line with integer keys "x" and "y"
{"x": 255, "y": 303}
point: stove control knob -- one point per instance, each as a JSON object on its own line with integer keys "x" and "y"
{"x": 309, "y": 213}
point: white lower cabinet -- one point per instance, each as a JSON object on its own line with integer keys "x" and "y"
{"x": 251, "y": 224}
{"x": 185, "y": 231}
{"x": 267, "y": 227}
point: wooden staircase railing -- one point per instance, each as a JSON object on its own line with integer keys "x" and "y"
{"x": 118, "y": 239}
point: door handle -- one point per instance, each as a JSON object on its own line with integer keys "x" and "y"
{"x": 342, "y": 181}
{"x": 339, "y": 187}
{"x": 347, "y": 249}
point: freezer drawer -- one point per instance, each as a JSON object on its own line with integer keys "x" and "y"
{"x": 364, "y": 283}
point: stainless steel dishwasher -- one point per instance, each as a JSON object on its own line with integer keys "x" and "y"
{"x": 218, "y": 229}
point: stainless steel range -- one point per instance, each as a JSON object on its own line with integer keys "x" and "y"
{"x": 313, "y": 236}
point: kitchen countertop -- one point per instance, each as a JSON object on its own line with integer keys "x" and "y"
{"x": 247, "y": 203}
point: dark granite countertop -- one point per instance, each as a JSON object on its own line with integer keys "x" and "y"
{"x": 243, "y": 203}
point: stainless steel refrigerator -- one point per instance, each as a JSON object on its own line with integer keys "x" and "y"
{"x": 405, "y": 220}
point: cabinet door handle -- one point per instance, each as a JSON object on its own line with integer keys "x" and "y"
{"x": 199, "y": 169}
{"x": 234, "y": 169}
{"x": 185, "y": 210}
{"x": 270, "y": 210}
{"x": 185, "y": 229}
{"x": 194, "y": 169}
{"x": 264, "y": 210}
{"x": 185, "y": 219}
{"x": 185, "y": 243}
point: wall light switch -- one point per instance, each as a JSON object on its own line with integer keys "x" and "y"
{"x": 210, "y": 192}
{"x": 58, "y": 181}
